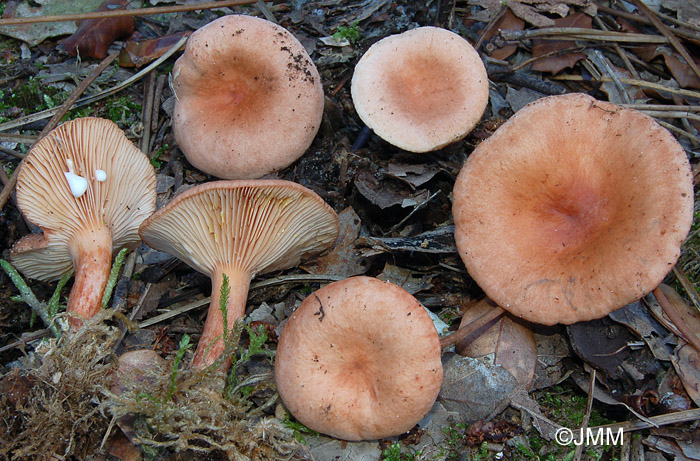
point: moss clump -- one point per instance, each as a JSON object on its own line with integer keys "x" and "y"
{"x": 50, "y": 405}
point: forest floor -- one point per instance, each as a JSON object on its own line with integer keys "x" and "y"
{"x": 58, "y": 399}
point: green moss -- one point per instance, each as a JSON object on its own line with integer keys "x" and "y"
{"x": 122, "y": 110}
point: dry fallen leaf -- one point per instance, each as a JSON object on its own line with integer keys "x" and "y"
{"x": 529, "y": 10}
{"x": 511, "y": 344}
{"x": 686, "y": 361}
{"x": 137, "y": 54}
{"x": 345, "y": 259}
{"x": 94, "y": 36}
{"x": 678, "y": 66}
{"x": 559, "y": 62}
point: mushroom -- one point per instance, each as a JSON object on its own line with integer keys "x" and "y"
{"x": 239, "y": 229}
{"x": 89, "y": 188}
{"x": 422, "y": 89}
{"x": 358, "y": 360}
{"x": 249, "y": 100}
{"x": 572, "y": 209}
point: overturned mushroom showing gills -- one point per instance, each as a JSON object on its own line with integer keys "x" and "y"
{"x": 359, "y": 360}
{"x": 422, "y": 89}
{"x": 89, "y": 188}
{"x": 249, "y": 100}
{"x": 572, "y": 209}
{"x": 239, "y": 228}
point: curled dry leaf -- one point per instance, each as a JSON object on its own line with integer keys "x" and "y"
{"x": 678, "y": 66}
{"x": 511, "y": 343}
{"x": 345, "y": 259}
{"x": 137, "y": 54}
{"x": 557, "y": 63}
{"x": 94, "y": 36}
{"x": 639, "y": 319}
{"x": 686, "y": 361}
{"x": 687, "y": 313}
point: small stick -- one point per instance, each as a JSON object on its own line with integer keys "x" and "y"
{"x": 662, "y": 107}
{"x": 587, "y": 415}
{"x": 579, "y": 33}
{"x": 12, "y": 152}
{"x": 7, "y": 189}
{"x": 632, "y": 81}
{"x": 620, "y": 52}
{"x": 687, "y": 285}
{"x": 460, "y": 334}
{"x": 688, "y": 335}
{"x": 680, "y": 131}
{"x": 496, "y": 17}
{"x": 147, "y": 112}
{"x": 174, "y": 312}
{"x": 643, "y": 20}
{"x": 120, "y": 13}
{"x": 653, "y": 421}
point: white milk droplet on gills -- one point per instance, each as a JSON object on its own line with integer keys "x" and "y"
{"x": 78, "y": 185}
{"x": 100, "y": 175}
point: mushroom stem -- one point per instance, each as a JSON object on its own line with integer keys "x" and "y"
{"x": 92, "y": 257}
{"x": 211, "y": 344}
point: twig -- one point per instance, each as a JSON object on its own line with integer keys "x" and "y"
{"x": 587, "y": 415}
{"x": 669, "y": 114}
{"x": 527, "y": 62}
{"x": 147, "y": 112}
{"x": 174, "y": 312}
{"x": 579, "y": 33}
{"x": 662, "y": 107}
{"x": 97, "y": 96}
{"x": 160, "y": 84}
{"x": 680, "y": 131}
{"x": 29, "y": 337}
{"x": 603, "y": 62}
{"x": 19, "y": 138}
{"x": 463, "y": 332}
{"x": 643, "y": 20}
{"x": 413, "y": 211}
{"x": 620, "y": 52}
{"x": 688, "y": 335}
{"x": 59, "y": 113}
{"x": 496, "y": 17}
{"x": 120, "y": 13}
{"x": 12, "y": 152}
{"x": 687, "y": 285}
{"x": 653, "y": 421}
{"x": 262, "y": 6}
{"x": 632, "y": 81}
{"x": 677, "y": 45}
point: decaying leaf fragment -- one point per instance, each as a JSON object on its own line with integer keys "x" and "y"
{"x": 94, "y": 36}
{"x": 530, "y": 10}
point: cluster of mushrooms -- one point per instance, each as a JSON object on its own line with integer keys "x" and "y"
{"x": 570, "y": 210}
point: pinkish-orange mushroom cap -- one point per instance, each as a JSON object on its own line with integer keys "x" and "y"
{"x": 422, "y": 89}
{"x": 249, "y": 100}
{"x": 572, "y": 209}
{"x": 358, "y": 360}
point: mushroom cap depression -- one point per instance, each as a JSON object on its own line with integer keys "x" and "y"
{"x": 572, "y": 209}
{"x": 249, "y": 100}
{"x": 254, "y": 225}
{"x": 120, "y": 202}
{"x": 359, "y": 359}
{"x": 422, "y": 89}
